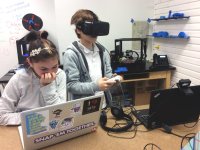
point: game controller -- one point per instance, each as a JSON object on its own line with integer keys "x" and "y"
{"x": 116, "y": 78}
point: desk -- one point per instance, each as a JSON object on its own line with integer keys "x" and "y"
{"x": 165, "y": 75}
{"x": 143, "y": 83}
{"x": 4, "y": 80}
{"x": 142, "y": 86}
{"x": 9, "y": 139}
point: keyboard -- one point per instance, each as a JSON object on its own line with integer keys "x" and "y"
{"x": 142, "y": 116}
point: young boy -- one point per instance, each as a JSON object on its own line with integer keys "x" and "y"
{"x": 86, "y": 62}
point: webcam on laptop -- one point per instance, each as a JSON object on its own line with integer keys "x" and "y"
{"x": 184, "y": 85}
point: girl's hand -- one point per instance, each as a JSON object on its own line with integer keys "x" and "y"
{"x": 47, "y": 78}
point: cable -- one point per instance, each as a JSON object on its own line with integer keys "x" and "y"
{"x": 168, "y": 129}
{"x": 132, "y": 130}
{"x": 119, "y": 124}
{"x": 123, "y": 95}
{"x": 188, "y": 138}
{"x": 120, "y": 85}
{"x": 173, "y": 85}
{"x": 152, "y": 145}
{"x": 135, "y": 122}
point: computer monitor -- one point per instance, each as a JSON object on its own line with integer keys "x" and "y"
{"x": 22, "y": 50}
{"x": 174, "y": 106}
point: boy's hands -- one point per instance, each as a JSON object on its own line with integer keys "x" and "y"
{"x": 47, "y": 78}
{"x": 104, "y": 84}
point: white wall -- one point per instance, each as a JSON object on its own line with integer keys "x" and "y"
{"x": 56, "y": 15}
{"x": 117, "y": 12}
{"x": 183, "y": 54}
{"x": 11, "y": 29}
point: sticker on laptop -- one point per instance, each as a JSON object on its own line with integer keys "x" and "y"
{"x": 64, "y": 132}
{"x": 53, "y": 124}
{"x": 57, "y": 113}
{"x": 67, "y": 122}
{"x": 76, "y": 109}
{"x": 37, "y": 122}
{"x": 91, "y": 105}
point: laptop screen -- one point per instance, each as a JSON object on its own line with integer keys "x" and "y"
{"x": 173, "y": 106}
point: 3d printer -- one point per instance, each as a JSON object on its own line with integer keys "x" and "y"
{"x": 130, "y": 61}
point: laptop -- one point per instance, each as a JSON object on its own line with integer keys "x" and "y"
{"x": 170, "y": 107}
{"x": 49, "y": 125}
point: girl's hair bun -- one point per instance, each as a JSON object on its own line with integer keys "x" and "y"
{"x": 32, "y": 36}
{"x": 44, "y": 34}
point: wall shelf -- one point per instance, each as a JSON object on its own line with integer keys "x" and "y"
{"x": 172, "y": 18}
{"x": 169, "y": 37}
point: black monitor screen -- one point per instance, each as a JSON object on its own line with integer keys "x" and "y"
{"x": 22, "y": 50}
{"x": 173, "y": 106}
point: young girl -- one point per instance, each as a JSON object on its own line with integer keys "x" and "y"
{"x": 41, "y": 83}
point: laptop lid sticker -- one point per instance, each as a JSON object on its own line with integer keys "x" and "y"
{"x": 91, "y": 106}
{"x": 37, "y": 122}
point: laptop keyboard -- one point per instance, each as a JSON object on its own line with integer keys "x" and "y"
{"x": 142, "y": 116}
{"x": 145, "y": 117}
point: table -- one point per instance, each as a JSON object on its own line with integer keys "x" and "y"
{"x": 165, "y": 75}
{"x": 9, "y": 139}
{"x": 4, "y": 80}
{"x": 143, "y": 83}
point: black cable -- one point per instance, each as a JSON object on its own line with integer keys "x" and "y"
{"x": 152, "y": 145}
{"x": 132, "y": 130}
{"x": 173, "y": 85}
{"x": 135, "y": 123}
{"x": 168, "y": 129}
{"x": 188, "y": 138}
{"x": 120, "y": 85}
{"x": 118, "y": 125}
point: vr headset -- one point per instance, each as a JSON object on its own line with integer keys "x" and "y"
{"x": 96, "y": 28}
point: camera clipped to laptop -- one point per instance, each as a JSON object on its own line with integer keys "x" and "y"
{"x": 184, "y": 86}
